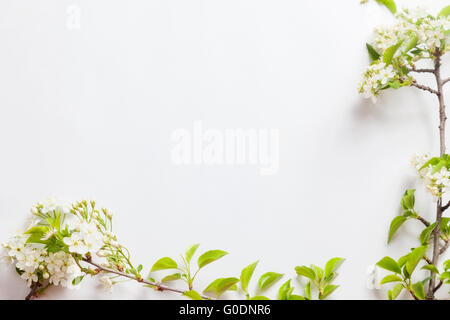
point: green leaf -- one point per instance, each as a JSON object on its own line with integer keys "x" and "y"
{"x": 389, "y": 264}
{"x": 409, "y": 213}
{"x": 445, "y": 225}
{"x": 390, "y": 4}
{"x": 373, "y": 54}
{"x": 36, "y": 238}
{"x": 285, "y": 290}
{"x": 393, "y": 294}
{"x": 268, "y": 279}
{"x": 247, "y": 274}
{"x": 194, "y": 295}
{"x": 296, "y": 297}
{"x": 191, "y": 251}
{"x": 419, "y": 292}
{"x": 395, "y": 224}
{"x": 319, "y": 271}
{"x": 210, "y": 256}
{"x": 391, "y": 278}
{"x": 163, "y": 264}
{"x": 306, "y": 272}
{"x": 431, "y": 268}
{"x": 412, "y": 44}
{"x": 402, "y": 261}
{"x": 327, "y": 291}
{"x": 77, "y": 280}
{"x": 408, "y": 199}
{"x": 259, "y": 298}
{"x": 171, "y": 277}
{"x": 426, "y": 234}
{"x": 390, "y": 52}
{"x": 308, "y": 291}
{"x": 332, "y": 265}
{"x": 219, "y": 286}
{"x": 234, "y": 287}
{"x": 416, "y": 255}
{"x": 395, "y": 84}
{"x": 445, "y": 12}
{"x": 447, "y": 265}
{"x": 54, "y": 245}
{"x": 445, "y": 275}
{"x": 37, "y": 229}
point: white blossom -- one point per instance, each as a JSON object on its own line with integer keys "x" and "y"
{"x": 106, "y": 282}
{"x": 437, "y": 183}
{"x": 430, "y": 33}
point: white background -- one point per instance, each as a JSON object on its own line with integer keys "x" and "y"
{"x": 89, "y": 113}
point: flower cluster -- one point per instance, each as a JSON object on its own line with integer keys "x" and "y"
{"x": 395, "y": 49}
{"x": 59, "y": 239}
{"x": 376, "y": 78}
{"x": 436, "y": 179}
{"x": 34, "y": 263}
{"x": 411, "y": 24}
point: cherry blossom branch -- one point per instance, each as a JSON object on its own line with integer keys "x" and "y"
{"x": 426, "y": 88}
{"x": 445, "y": 207}
{"x": 442, "y": 147}
{"x": 157, "y": 286}
{"x": 422, "y": 70}
{"x": 425, "y": 222}
{"x": 444, "y": 247}
{"x": 33, "y": 292}
{"x": 445, "y": 81}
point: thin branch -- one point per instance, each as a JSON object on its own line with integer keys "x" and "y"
{"x": 438, "y": 286}
{"x": 33, "y": 292}
{"x": 413, "y": 295}
{"x": 444, "y": 247}
{"x": 445, "y": 207}
{"x": 420, "y": 86}
{"x": 425, "y": 222}
{"x": 445, "y": 81}
{"x": 157, "y": 286}
{"x": 422, "y": 70}
{"x": 442, "y": 147}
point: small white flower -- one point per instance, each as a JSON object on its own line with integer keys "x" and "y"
{"x": 106, "y": 282}
{"x": 76, "y": 244}
{"x": 373, "y": 278}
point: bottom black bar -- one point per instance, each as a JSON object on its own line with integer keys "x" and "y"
{"x": 230, "y": 309}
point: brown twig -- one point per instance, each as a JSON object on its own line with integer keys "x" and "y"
{"x": 425, "y": 222}
{"x": 443, "y": 208}
{"x": 157, "y": 286}
{"x": 420, "y": 86}
{"x": 422, "y": 70}
{"x": 413, "y": 295}
{"x": 445, "y": 81}
{"x": 444, "y": 247}
{"x": 442, "y": 122}
{"x": 438, "y": 286}
{"x": 33, "y": 292}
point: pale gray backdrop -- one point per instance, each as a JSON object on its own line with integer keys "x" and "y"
{"x": 88, "y": 112}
